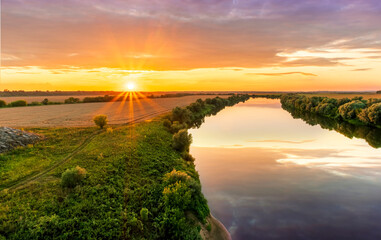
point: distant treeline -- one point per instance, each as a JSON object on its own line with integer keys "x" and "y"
{"x": 21, "y": 93}
{"x": 105, "y": 98}
{"x": 270, "y": 96}
{"x": 357, "y": 110}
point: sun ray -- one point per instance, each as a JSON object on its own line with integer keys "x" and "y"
{"x": 153, "y": 104}
{"x": 121, "y": 106}
{"x": 109, "y": 104}
{"x": 137, "y": 100}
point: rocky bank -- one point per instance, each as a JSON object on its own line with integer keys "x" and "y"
{"x": 11, "y": 138}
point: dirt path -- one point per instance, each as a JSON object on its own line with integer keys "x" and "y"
{"x": 166, "y": 106}
{"x": 80, "y": 115}
{"x": 25, "y": 181}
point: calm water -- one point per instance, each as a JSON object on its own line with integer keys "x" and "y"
{"x": 269, "y": 176}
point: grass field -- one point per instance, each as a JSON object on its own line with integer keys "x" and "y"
{"x": 125, "y": 170}
{"x": 80, "y": 115}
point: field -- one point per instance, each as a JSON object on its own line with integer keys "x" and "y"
{"x": 80, "y": 115}
{"x": 30, "y": 99}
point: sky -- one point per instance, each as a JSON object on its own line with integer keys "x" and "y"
{"x": 170, "y": 45}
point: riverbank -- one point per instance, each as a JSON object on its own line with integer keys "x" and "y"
{"x": 137, "y": 184}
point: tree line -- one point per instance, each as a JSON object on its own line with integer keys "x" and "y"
{"x": 370, "y": 134}
{"x": 356, "y": 111}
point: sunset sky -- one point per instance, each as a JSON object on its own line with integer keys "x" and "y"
{"x": 261, "y": 45}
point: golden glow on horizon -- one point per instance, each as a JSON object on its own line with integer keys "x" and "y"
{"x": 129, "y": 86}
{"x": 360, "y": 75}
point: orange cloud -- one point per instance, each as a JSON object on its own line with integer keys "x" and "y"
{"x": 282, "y": 74}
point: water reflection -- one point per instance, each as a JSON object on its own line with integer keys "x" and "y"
{"x": 269, "y": 176}
{"x": 370, "y": 134}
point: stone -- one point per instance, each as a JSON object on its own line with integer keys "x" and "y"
{"x": 11, "y": 138}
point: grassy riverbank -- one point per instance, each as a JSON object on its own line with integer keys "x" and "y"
{"x": 139, "y": 183}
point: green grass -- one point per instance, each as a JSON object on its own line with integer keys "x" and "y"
{"x": 125, "y": 172}
{"x": 21, "y": 163}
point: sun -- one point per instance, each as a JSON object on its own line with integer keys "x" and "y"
{"x": 129, "y": 86}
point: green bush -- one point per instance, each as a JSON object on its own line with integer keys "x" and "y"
{"x": 2, "y": 104}
{"x": 72, "y": 177}
{"x": 182, "y": 115}
{"x": 176, "y": 126}
{"x": 187, "y": 157}
{"x": 72, "y": 100}
{"x": 34, "y": 104}
{"x": 18, "y": 103}
{"x": 144, "y": 214}
{"x": 100, "y": 120}
{"x": 182, "y": 140}
{"x": 167, "y": 123}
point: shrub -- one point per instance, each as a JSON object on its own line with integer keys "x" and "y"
{"x": 100, "y": 120}
{"x": 34, "y": 104}
{"x": 45, "y": 101}
{"x": 71, "y": 100}
{"x": 144, "y": 214}
{"x": 19, "y": 103}
{"x": 2, "y": 104}
{"x": 175, "y": 176}
{"x": 209, "y": 227}
{"x": 176, "y": 126}
{"x": 109, "y": 130}
{"x": 187, "y": 157}
{"x": 182, "y": 115}
{"x": 72, "y": 177}
{"x": 167, "y": 123}
{"x": 182, "y": 140}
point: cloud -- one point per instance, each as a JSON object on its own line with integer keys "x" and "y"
{"x": 284, "y": 141}
{"x": 283, "y": 73}
{"x": 183, "y": 35}
{"x": 361, "y": 69}
{"x": 321, "y": 62}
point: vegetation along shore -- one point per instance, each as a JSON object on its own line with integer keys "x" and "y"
{"x": 134, "y": 181}
{"x": 357, "y": 110}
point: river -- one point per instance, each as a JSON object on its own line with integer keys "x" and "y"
{"x": 267, "y": 175}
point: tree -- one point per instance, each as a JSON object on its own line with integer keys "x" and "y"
{"x": 45, "y": 101}
{"x": 182, "y": 115}
{"x": 350, "y": 110}
{"x": 182, "y": 140}
{"x": 100, "y": 120}
{"x": 2, "y": 104}
{"x": 371, "y": 115}
{"x": 71, "y": 100}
